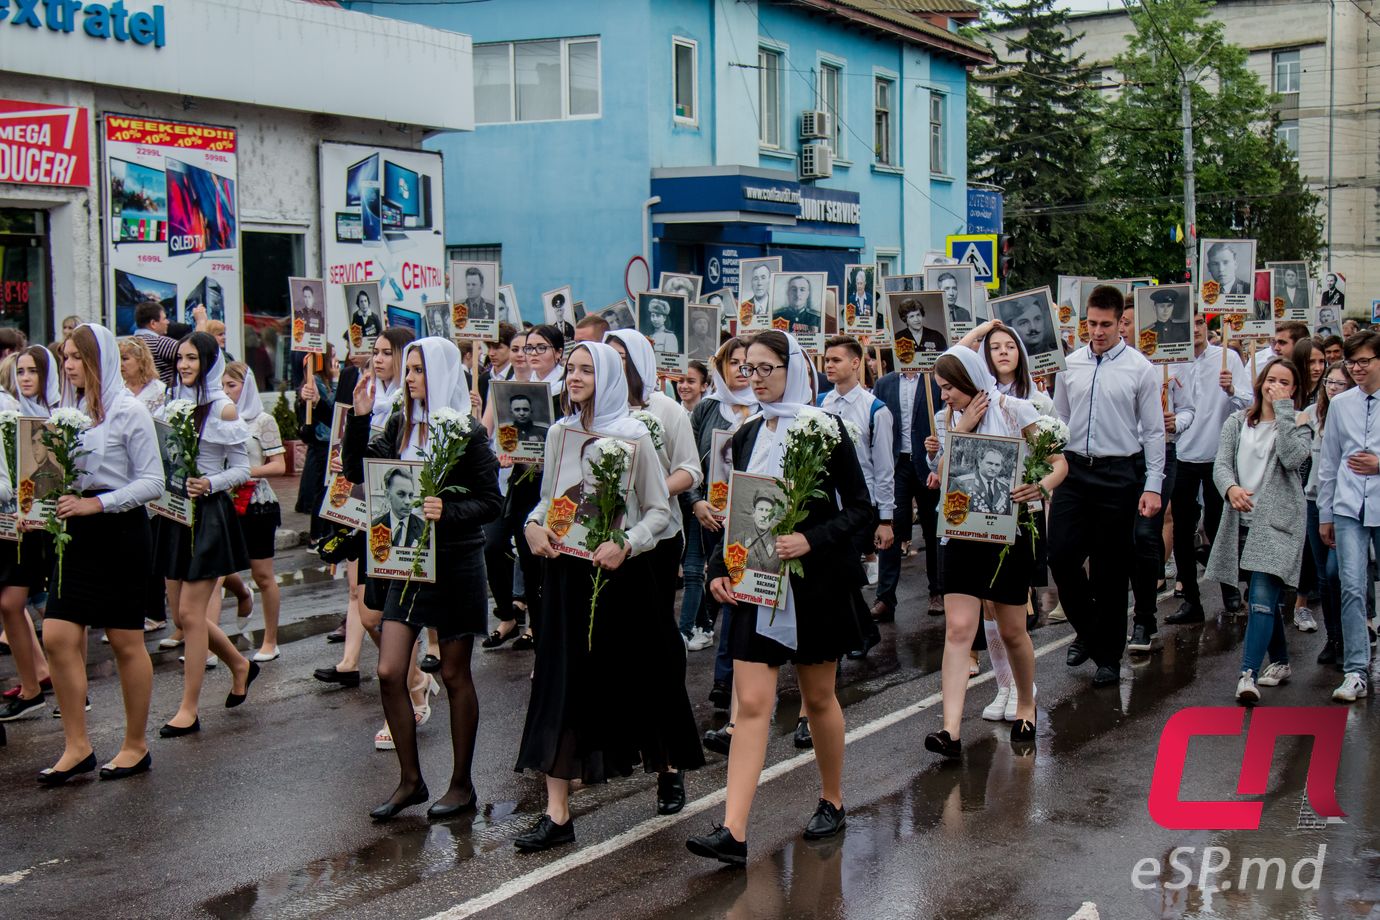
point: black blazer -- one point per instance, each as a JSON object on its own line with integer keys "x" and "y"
{"x": 888, "y": 390}
{"x": 414, "y": 527}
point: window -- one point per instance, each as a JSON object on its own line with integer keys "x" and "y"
{"x": 769, "y": 95}
{"x": 1288, "y": 69}
{"x": 477, "y": 253}
{"x": 938, "y": 140}
{"x": 830, "y": 100}
{"x": 881, "y": 128}
{"x": 547, "y": 80}
{"x": 886, "y": 263}
{"x": 1288, "y": 134}
{"x": 683, "y": 76}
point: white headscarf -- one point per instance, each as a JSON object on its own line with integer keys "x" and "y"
{"x": 728, "y": 398}
{"x": 250, "y": 404}
{"x": 1006, "y": 415}
{"x": 641, "y": 355}
{"x": 1020, "y": 344}
{"x": 215, "y": 430}
{"x": 383, "y": 398}
{"x": 446, "y": 386}
{"x": 113, "y": 388}
{"x": 40, "y": 407}
{"x": 611, "y": 414}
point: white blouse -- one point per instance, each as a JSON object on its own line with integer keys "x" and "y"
{"x": 1254, "y": 452}
{"x": 127, "y": 465}
{"x": 678, "y": 451}
{"x": 153, "y": 395}
{"x": 264, "y": 441}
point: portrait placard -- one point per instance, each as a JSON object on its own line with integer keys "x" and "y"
{"x": 364, "y": 310}
{"x": 344, "y": 501}
{"x": 1260, "y": 322}
{"x": 831, "y": 310}
{"x": 797, "y": 307}
{"x": 1030, "y": 314}
{"x": 921, "y": 334}
{"x": 703, "y": 338}
{"x": 619, "y": 315}
{"x": 506, "y": 307}
{"x": 574, "y": 504}
{"x": 9, "y": 507}
{"x": 40, "y": 475}
{"x": 1164, "y": 323}
{"x": 395, "y": 521}
{"x": 1085, "y": 288}
{"x": 1289, "y": 284}
{"x": 437, "y": 319}
{"x": 1068, "y": 307}
{"x": 755, "y": 504}
{"x": 754, "y": 293}
{"x": 173, "y": 503}
{"x": 1226, "y": 272}
{"x": 558, "y": 309}
{"x": 860, "y": 300}
{"x": 955, "y": 282}
{"x": 308, "y": 299}
{"x": 688, "y": 286}
{"x": 1333, "y": 291}
{"x": 980, "y": 471}
{"x": 723, "y": 301}
{"x": 474, "y": 301}
{"x": 522, "y": 417}
{"x": 720, "y": 467}
{"x": 661, "y": 318}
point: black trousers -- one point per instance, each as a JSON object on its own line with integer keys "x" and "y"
{"x": 1189, "y": 480}
{"x": 909, "y": 488}
{"x": 1149, "y": 560}
{"x": 1092, "y": 523}
{"x": 499, "y": 553}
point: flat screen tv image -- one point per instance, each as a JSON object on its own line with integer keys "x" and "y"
{"x": 209, "y": 294}
{"x": 366, "y": 170}
{"x": 138, "y": 202}
{"x": 201, "y": 210}
{"x": 402, "y": 189}
{"x": 132, "y": 290}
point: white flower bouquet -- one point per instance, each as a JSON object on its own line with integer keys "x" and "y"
{"x": 611, "y": 458}
{"x": 448, "y": 434}
{"x": 810, "y": 439}
{"x": 62, "y": 437}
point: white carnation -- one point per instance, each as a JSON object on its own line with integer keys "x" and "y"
{"x": 72, "y": 419}
{"x": 174, "y": 410}
{"x": 612, "y": 447}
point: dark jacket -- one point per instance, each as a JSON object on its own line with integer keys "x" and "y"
{"x": 704, "y": 421}
{"x": 888, "y": 390}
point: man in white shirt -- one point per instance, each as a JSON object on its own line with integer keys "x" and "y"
{"x": 1217, "y": 393}
{"x": 1349, "y": 501}
{"x": 1109, "y": 396}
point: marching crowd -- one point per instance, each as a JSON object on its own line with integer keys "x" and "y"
{"x": 1259, "y": 467}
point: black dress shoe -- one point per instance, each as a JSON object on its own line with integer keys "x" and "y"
{"x": 670, "y": 793}
{"x": 233, "y": 699}
{"x": 545, "y": 835}
{"x": 332, "y": 676}
{"x": 719, "y": 739}
{"x": 942, "y": 743}
{"x": 1023, "y": 732}
{"x": 1187, "y": 613}
{"x": 869, "y": 643}
{"x": 719, "y": 844}
{"x": 389, "y": 810}
{"x": 1142, "y": 640}
{"x": 110, "y": 771}
{"x": 1331, "y": 652}
{"x": 1231, "y": 603}
{"x": 524, "y": 643}
{"x": 498, "y": 637}
{"x": 1106, "y": 676}
{"x": 803, "y": 739}
{"x": 825, "y": 822}
{"x": 337, "y": 634}
{"x": 441, "y": 810}
{"x": 1077, "y": 654}
{"x": 177, "y": 731}
{"x": 721, "y": 695}
{"x": 52, "y": 777}
{"x": 429, "y": 664}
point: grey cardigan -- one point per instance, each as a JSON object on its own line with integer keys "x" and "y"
{"x": 1274, "y": 542}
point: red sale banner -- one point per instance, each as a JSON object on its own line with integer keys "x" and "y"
{"x": 43, "y": 144}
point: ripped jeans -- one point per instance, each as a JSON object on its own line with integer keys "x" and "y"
{"x": 1267, "y": 599}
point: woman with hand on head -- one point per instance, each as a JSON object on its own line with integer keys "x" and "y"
{"x": 454, "y": 604}
{"x": 109, "y": 531}
{"x": 816, "y": 622}
{"x": 194, "y": 569}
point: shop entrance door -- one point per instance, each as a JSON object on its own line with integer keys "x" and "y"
{"x": 24, "y": 287}
{"x": 269, "y": 260}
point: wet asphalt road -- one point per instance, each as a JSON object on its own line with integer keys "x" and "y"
{"x": 264, "y": 814}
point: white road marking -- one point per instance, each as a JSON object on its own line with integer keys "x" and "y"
{"x": 655, "y": 825}
{"x": 1087, "y": 912}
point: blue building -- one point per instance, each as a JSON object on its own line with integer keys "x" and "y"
{"x": 683, "y": 131}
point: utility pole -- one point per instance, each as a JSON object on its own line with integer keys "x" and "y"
{"x": 1190, "y": 191}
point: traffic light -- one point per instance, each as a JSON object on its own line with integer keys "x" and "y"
{"x": 1007, "y": 259}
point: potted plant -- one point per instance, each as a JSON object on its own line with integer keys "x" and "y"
{"x": 285, "y": 414}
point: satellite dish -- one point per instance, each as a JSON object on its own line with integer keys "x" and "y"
{"x": 637, "y": 277}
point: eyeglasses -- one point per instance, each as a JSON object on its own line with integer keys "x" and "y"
{"x": 1335, "y": 384}
{"x": 535, "y": 349}
{"x": 764, "y": 370}
{"x": 1362, "y": 363}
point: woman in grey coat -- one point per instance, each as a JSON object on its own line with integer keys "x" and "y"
{"x": 1257, "y": 472}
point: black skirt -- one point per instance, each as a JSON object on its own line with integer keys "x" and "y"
{"x": 259, "y": 525}
{"x": 969, "y": 568}
{"x": 27, "y": 566}
{"x": 824, "y": 631}
{"x": 454, "y": 605}
{"x": 91, "y": 585}
{"x": 220, "y": 549}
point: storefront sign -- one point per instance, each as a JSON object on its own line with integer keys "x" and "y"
{"x": 829, "y": 206}
{"x": 984, "y": 211}
{"x": 98, "y": 20}
{"x": 43, "y": 144}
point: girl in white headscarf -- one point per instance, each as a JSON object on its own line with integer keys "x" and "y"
{"x": 194, "y": 569}
{"x": 455, "y": 604}
{"x": 976, "y": 406}
{"x": 24, "y": 567}
{"x": 110, "y": 540}
{"x": 818, "y": 621}
{"x": 583, "y": 663}
{"x": 1009, "y": 363}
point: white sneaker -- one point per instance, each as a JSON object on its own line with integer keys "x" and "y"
{"x": 1010, "y": 714}
{"x": 700, "y": 639}
{"x": 1275, "y": 674}
{"x": 996, "y": 710}
{"x": 1352, "y": 689}
{"x": 1304, "y": 620}
{"x": 872, "y": 568}
{"x": 169, "y": 642}
{"x": 1056, "y": 615}
{"x": 211, "y": 661}
{"x": 1246, "y": 691}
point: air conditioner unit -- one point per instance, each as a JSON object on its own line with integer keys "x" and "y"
{"x": 816, "y": 160}
{"x": 815, "y": 125}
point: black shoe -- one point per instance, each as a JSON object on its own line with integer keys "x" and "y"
{"x": 719, "y": 739}
{"x": 109, "y": 771}
{"x": 545, "y": 835}
{"x": 1077, "y": 654}
{"x": 17, "y": 708}
{"x": 803, "y": 738}
{"x": 332, "y": 676}
{"x": 174, "y": 731}
{"x": 721, "y": 695}
{"x": 236, "y": 699}
{"x": 440, "y": 811}
{"x": 1023, "y": 732}
{"x": 936, "y": 605}
{"x": 525, "y": 643}
{"x": 337, "y": 634}
{"x": 51, "y": 777}
{"x": 826, "y": 821}
{"x": 882, "y": 612}
{"x": 941, "y": 743}
{"x": 869, "y": 643}
{"x": 429, "y": 664}
{"x": 389, "y": 810}
{"x": 1106, "y": 676}
{"x": 719, "y": 844}
{"x": 1231, "y": 603}
{"x": 1188, "y": 613}
{"x": 670, "y": 793}
{"x": 1331, "y": 653}
{"x": 1142, "y": 639}
{"x": 498, "y": 637}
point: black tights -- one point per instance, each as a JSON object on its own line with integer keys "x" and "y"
{"x": 395, "y": 650}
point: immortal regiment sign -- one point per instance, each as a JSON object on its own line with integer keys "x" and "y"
{"x": 308, "y": 299}
{"x": 754, "y": 568}
{"x": 1031, "y": 315}
{"x": 860, "y": 300}
{"x": 1225, "y": 277}
{"x": 474, "y": 301}
{"x": 522, "y": 417}
{"x": 662, "y": 319}
{"x": 921, "y": 332}
{"x": 956, "y": 283}
{"x": 1289, "y": 287}
{"x": 720, "y": 466}
{"x": 398, "y": 536}
{"x": 344, "y": 501}
{"x": 1164, "y": 323}
{"x": 754, "y": 293}
{"x": 797, "y": 307}
{"x": 979, "y": 473}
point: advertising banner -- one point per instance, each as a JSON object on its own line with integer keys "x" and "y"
{"x": 42, "y": 144}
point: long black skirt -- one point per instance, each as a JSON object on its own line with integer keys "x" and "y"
{"x": 106, "y": 555}
{"x": 27, "y": 564}
{"x": 219, "y": 550}
{"x": 635, "y": 662}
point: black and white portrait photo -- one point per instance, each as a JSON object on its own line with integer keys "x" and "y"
{"x": 619, "y": 315}
{"x": 1329, "y": 321}
{"x": 749, "y": 547}
{"x": 37, "y": 467}
{"x": 979, "y": 473}
{"x": 1226, "y": 274}
{"x": 437, "y": 319}
{"x": 955, "y": 282}
{"x": 576, "y": 491}
{"x": 522, "y": 417}
{"x": 1164, "y": 323}
{"x": 172, "y": 503}
{"x": 723, "y": 301}
{"x": 395, "y": 520}
{"x": 688, "y": 286}
{"x": 1334, "y": 291}
{"x": 797, "y": 306}
{"x": 475, "y": 284}
{"x": 1030, "y": 314}
{"x": 754, "y": 292}
{"x": 720, "y": 467}
{"x": 1289, "y": 289}
{"x": 558, "y": 309}
{"x": 921, "y": 334}
{"x": 506, "y": 307}
{"x": 703, "y": 339}
{"x": 661, "y": 318}
{"x": 860, "y": 299}
{"x": 365, "y": 321}
{"x": 308, "y": 301}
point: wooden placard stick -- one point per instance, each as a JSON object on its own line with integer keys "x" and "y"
{"x": 309, "y": 369}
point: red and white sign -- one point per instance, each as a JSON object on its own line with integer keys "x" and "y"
{"x": 43, "y": 144}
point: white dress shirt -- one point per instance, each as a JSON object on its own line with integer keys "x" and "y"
{"x": 875, "y": 457}
{"x": 909, "y": 391}
{"x": 678, "y": 451}
{"x": 1353, "y": 424}
{"x": 128, "y": 464}
{"x": 1211, "y": 405}
{"x": 1262, "y": 357}
{"x": 1181, "y": 396}
{"x": 1105, "y": 398}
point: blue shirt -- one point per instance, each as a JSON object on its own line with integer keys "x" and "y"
{"x": 1353, "y": 424}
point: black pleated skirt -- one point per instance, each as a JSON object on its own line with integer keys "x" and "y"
{"x": 27, "y": 566}
{"x": 454, "y": 605}
{"x": 970, "y": 567}
{"x": 100, "y": 580}
{"x": 219, "y": 549}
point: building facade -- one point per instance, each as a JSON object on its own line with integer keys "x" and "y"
{"x": 1323, "y": 61}
{"x": 672, "y": 130}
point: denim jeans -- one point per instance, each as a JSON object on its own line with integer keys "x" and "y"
{"x": 1354, "y": 541}
{"x": 1325, "y": 568}
{"x": 1266, "y": 598}
{"x": 692, "y": 566}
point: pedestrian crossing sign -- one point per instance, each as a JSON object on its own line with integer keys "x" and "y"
{"x": 980, "y": 251}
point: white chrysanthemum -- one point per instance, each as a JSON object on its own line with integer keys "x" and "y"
{"x": 398, "y": 398}
{"x": 174, "y": 410}
{"x": 854, "y": 432}
{"x": 9, "y": 417}
{"x": 612, "y": 447}
{"x": 1042, "y": 403}
{"x": 653, "y": 426}
{"x": 1053, "y": 427}
{"x": 815, "y": 425}
{"x": 449, "y": 418}
{"x": 72, "y": 419}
